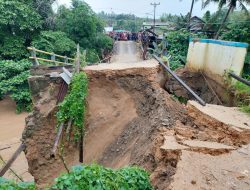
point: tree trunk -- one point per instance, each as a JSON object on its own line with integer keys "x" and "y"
{"x": 190, "y": 14}
{"x": 223, "y": 23}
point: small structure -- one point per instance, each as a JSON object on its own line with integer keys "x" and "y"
{"x": 148, "y": 25}
{"x": 108, "y": 29}
{"x": 216, "y": 57}
{"x": 196, "y": 24}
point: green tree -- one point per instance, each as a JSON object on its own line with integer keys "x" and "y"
{"x": 57, "y": 42}
{"x": 232, "y": 4}
{"x": 190, "y": 12}
{"x": 83, "y": 26}
{"x": 80, "y": 23}
{"x": 18, "y": 22}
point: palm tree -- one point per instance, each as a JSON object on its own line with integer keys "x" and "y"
{"x": 232, "y": 4}
{"x": 191, "y": 12}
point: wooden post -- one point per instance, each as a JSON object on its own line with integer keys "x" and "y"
{"x": 33, "y": 54}
{"x": 11, "y": 160}
{"x": 66, "y": 60}
{"x": 53, "y": 58}
{"x": 78, "y": 59}
{"x": 58, "y": 136}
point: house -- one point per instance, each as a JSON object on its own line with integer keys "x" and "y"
{"x": 196, "y": 24}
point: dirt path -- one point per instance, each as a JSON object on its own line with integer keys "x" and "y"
{"x": 11, "y": 127}
{"x": 125, "y": 52}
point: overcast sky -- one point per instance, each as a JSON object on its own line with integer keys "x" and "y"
{"x": 142, "y": 7}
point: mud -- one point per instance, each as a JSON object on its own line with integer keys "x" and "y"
{"x": 136, "y": 142}
{"x": 208, "y": 89}
{"x": 133, "y": 120}
{"x": 40, "y": 132}
{"x": 11, "y": 128}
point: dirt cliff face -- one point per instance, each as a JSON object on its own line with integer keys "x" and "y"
{"x": 132, "y": 120}
{"x": 208, "y": 89}
{"x": 40, "y": 132}
{"x": 127, "y": 109}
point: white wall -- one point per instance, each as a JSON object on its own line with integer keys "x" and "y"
{"x": 214, "y": 57}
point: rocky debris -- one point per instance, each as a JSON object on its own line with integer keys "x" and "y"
{"x": 202, "y": 171}
{"x": 208, "y": 145}
{"x": 170, "y": 143}
{"x": 205, "y": 87}
{"x": 230, "y": 116}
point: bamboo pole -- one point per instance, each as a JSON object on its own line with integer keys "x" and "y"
{"x": 47, "y": 60}
{"x": 11, "y": 160}
{"x": 58, "y": 136}
{"x": 48, "y": 53}
{"x": 19, "y": 177}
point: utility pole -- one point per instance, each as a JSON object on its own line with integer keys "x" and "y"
{"x": 155, "y": 5}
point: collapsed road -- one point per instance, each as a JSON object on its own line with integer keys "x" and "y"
{"x": 133, "y": 120}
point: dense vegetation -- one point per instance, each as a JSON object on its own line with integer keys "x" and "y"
{"x": 11, "y": 185}
{"x": 13, "y": 81}
{"x": 237, "y": 28}
{"x": 128, "y": 22}
{"x": 97, "y": 177}
{"x": 26, "y": 23}
{"x": 74, "y": 104}
{"x": 92, "y": 177}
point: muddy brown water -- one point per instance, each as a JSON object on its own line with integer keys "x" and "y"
{"x": 11, "y": 128}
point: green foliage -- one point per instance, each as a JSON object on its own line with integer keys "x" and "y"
{"x": 242, "y": 94}
{"x": 92, "y": 56}
{"x": 18, "y": 22}
{"x": 122, "y": 21}
{"x": 73, "y": 107}
{"x": 178, "y": 46}
{"x": 82, "y": 25}
{"x": 239, "y": 32}
{"x": 95, "y": 177}
{"x": 103, "y": 41}
{"x": 18, "y": 16}
{"x": 12, "y": 47}
{"x": 13, "y": 81}
{"x": 56, "y": 42}
{"x": 11, "y": 185}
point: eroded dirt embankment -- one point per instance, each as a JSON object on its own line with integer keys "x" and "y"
{"x": 132, "y": 120}
{"x": 41, "y": 128}
{"x": 127, "y": 108}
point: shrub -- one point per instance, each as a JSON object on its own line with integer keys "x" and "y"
{"x": 242, "y": 94}
{"x": 73, "y": 106}
{"x": 178, "y": 42}
{"x": 95, "y": 177}
{"x": 56, "y": 42}
{"x": 11, "y": 185}
{"x": 14, "y": 82}
{"x": 13, "y": 47}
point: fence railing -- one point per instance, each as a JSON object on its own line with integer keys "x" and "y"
{"x": 52, "y": 59}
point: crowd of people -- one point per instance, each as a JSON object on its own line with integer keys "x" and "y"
{"x": 125, "y": 36}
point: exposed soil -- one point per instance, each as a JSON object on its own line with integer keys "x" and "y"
{"x": 132, "y": 120}
{"x": 40, "y": 133}
{"x": 209, "y": 90}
